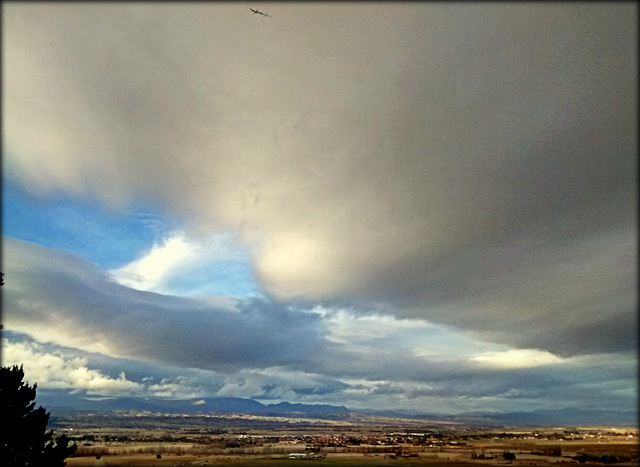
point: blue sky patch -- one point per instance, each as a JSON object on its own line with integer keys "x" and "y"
{"x": 107, "y": 238}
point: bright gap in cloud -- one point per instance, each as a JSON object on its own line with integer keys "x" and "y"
{"x": 517, "y": 358}
{"x": 148, "y": 272}
{"x": 417, "y": 337}
{"x": 215, "y": 266}
{"x": 83, "y": 227}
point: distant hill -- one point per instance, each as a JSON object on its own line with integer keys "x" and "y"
{"x": 54, "y": 400}
{"x": 57, "y": 400}
{"x": 213, "y": 404}
{"x": 568, "y": 416}
{"x": 562, "y": 417}
{"x": 312, "y": 409}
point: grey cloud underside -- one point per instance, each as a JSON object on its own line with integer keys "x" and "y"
{"x": 473, "y": 165}
{"x": 570, "y": 298}
{"x": 73, "y": 297}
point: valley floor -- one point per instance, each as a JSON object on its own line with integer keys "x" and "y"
{"x": 359, "y": 446}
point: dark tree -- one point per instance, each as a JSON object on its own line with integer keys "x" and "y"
{"x": 24, "y": 439}
{"x": 1, "y": 284}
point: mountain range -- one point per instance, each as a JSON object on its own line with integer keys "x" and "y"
{"x": 56, "y": 401}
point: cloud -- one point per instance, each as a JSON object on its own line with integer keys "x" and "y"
{"x": 282, "y": 384}
{"x": 568, "y": 299}
{"x": 184, "y": 347}
{"x": 62, "y": 369}
{"x": 57, "y": 298}
{"x": 520, "y": 358}
{"x": 54, "y": 371}
{"x": 216, "y": 265}
{"x": 437, "y": 171}
{"x": 176, "y": 388}
{"x": 433, "y": 195}
{"x": 148, "y": 272}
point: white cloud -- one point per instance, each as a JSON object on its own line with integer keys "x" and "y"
{"x": 55, "y": 371}
{"x": 282, "y": 384}
{"x": 58, "y": 370}
{"x": 344, "y": 326}
{"x": 245, "y": 384}
{"x": 178, "y": 387}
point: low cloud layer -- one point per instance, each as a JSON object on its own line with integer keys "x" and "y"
{"x": 57, "y": 372}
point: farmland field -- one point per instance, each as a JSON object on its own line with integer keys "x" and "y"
{"x": 203, "y": 442}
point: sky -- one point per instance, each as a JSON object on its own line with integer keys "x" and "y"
{"x": 424, "y": 206}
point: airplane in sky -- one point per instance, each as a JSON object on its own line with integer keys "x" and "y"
{"x": 261, "y": 13}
